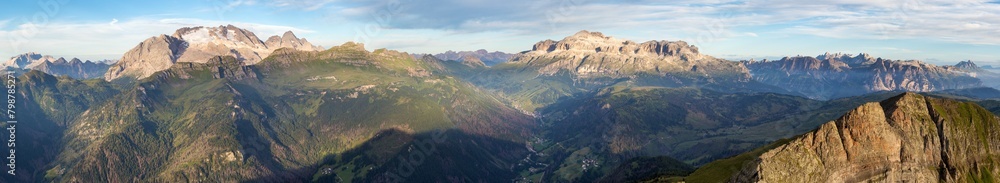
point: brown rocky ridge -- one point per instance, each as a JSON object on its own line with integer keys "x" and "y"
{"x": 908, "y": 138}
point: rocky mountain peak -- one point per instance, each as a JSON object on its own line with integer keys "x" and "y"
{"x": 969, "y": 66}
{"x": 482, "y": 51}
{"x": 853, "y": 60}
{"x": 61, "y": 60}
{"x": 584, "y": 34}
{"x": 592, "y": 54}
{"x": 199, "y": 45}
{"x": 76, "y": 61}
{"x": 588, "y": 42}
{"x": 289, "y": 35}
{"x": 27, "y": 60}
{"x": 229, "y": 35}
{"x": 289, "y": 40}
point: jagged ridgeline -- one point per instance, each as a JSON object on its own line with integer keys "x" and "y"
{"x": 281, "y": 119}
{"x": 74, "y": 68}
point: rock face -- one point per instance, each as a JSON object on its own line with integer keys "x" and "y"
{"x": 908, "y": 138}
{"x": 839, "y": 75}
{"x": 74, "y": 68}
{"x": 198, "y": 45}
{"x": 488, "y": 58}
{"x": 153, "y": 54}
{"x": 289, "y": 40}
{"x": 591, "y": 54}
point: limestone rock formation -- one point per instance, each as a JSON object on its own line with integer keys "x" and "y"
{"x": 153, "y": 54}
{"x": 289, "y": 40}
{"x": 592, "y": 54}
{"x": 840, "y": 75}
{"x": 908, "y": 138}
{"x": 198, "y": 45}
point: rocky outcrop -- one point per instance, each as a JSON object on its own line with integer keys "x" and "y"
{"x": 908, "y": 138}
{"x": 289, "y": 40}
{"x": 74, "y": 68}
{"x": 152, "y": 55}
{"x": 592, "y": 54}
{"x": 840, "y": 75}
{"x": 199, "y": 45}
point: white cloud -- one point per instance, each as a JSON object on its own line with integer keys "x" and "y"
{"x": 103, "y": 40}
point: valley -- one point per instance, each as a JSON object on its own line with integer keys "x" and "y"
{"x": 218, "y": 104}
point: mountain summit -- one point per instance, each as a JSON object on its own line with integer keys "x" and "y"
{"x": 587, "y": 42}
{"x": 592, "y": 54}
{"x": 969, "y": 66}
{"x": 198, "y": 45}
{"x": 27, "y": 60}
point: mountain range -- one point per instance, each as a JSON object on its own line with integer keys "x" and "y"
{"x": 57, "y": 66}
{"x": 486, "y": 57}
{"x": 218, "y": 104}
{"x": 838, "y": 75}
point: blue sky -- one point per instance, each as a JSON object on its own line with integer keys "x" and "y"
{"x": 941, "y": 32}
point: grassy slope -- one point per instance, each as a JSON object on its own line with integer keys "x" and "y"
{"x": 193, "y": 126}
{"x": 45, "y": 105}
